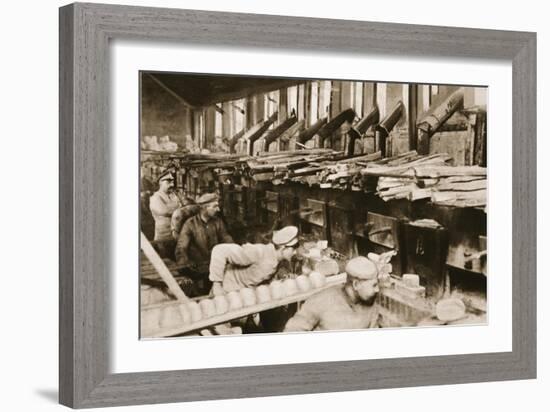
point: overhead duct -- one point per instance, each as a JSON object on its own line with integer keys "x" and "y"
{"x": 291, "y": 131}
{"x": 384, "y": 128}
{"x": 233, "y": 141}
{"x": 360, "y": 128}
{"x": 311, "y": 131}
{"x": 260, "y": 131}
{"x": 435, "y": 119}
{"x": 278, "y": 131}
{"x": 328, "y": 129}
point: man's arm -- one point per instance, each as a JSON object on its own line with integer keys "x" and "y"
{"x": 176, "y": 222}
{"x": 306, "y": 319}
{"x": 223, "y": 234}
{"x": 217, "y": 289}
{"x": 184, "y": 239}
{"x": 180, "y": 216}
{"x": 224, "y": 254}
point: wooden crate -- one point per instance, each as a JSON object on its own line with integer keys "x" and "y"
{"x": 397, "y": 310}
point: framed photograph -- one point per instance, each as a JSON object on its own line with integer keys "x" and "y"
{"x": 256, "y": 205}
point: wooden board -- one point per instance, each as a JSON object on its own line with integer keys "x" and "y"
{"x": 236, "y": 314}
{"x": 161, "y": 269}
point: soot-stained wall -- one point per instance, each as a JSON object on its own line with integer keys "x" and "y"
{"x": 162, "y": 113}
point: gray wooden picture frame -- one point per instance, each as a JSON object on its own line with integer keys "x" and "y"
{"x": 85, "y": 31}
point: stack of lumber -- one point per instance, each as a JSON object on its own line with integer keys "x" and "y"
{"x": 344, "y": 173}
{"x": 336, "y": 172}
{"x": 219, "y": 160}
{"x": 406, "y": 176}
{"x": 282, "y": 165}
{"x": 354, "y": 173}
{"x": 457, "y": 186}
{"x": 361, "y": 173}
{"x": 396, "y": 178}
{"x": 431, "y": 178}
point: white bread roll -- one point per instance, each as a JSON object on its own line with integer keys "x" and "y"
{"x": 276, "y": 289}
{"x": 317, "y": 279}
{"x": 304, "y": 284}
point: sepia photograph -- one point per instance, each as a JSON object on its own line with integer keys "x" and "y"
{"x": 282, "y": 205}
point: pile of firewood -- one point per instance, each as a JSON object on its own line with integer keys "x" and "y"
{"x": 431, "y": 178}
{"x": 281, "y": 166}
{"x": 406, "y": 176}
{"x": 464, "y": 186}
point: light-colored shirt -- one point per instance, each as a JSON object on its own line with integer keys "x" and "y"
{"x": 333, "y": 309}
{"x": 162, "y": 206}
{"x": 242, "y": 266}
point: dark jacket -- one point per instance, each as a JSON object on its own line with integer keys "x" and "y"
{"x": 196, "y": 240}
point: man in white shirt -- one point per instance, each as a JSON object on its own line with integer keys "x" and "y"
{"x": 233, "y": 267}
{"x": 162, "y": 204}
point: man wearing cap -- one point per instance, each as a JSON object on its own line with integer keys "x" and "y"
{"x": 188, "y": 209}
{"x": 196, "y": 239}
{"x": 162, "y": 204}
{"x": 349, "y": 307}
{"x": 233, "y": 267}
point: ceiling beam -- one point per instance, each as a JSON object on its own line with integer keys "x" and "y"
{"x": 170, "y": 91}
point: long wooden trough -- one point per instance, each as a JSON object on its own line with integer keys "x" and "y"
{"x": 177, "y": 317}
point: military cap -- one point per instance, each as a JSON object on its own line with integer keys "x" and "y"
{"x": 287, "y": 236}
{"x": 166, "y": 172}
{"x": 207, "y": 198}
{"x": 361, "y": 268}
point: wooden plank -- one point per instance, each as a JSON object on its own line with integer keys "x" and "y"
{"x": 387, "y": 160}
{"x": 464, "y": 186}
{"x": 418, "y": 194}
{"x": 148, "y": 271}
{"x": 346, "y": 95}
{"x": 408, "y": 168}
{"x": 332, "y": 281}
{"x": 283, "y": 104}
{"x": 250, "y": 119}
{"x": 458, "y": 179}
{"x": 324, "y": 98}
{"x": 369, "y": 97}
{"x": 441, "y": 171}
{"x": 259, "y": 108}
{"x": 162, "y": 270}
{"x": 226, "y": 120}
{"x": 209, "y": 127}
{"x": 480, "y": 139}
{"x": 389, "y": 182}
{"x": 307, "y": 102}
{"x": 371, "y": 157}
{"x": 404, "y": 158}
{"x": 462, "y": 199}
{"x": 412, "y": 115}
{"x": 335, "y": 99}
{"x": 397, "y": 190}
{"x": 197, "y": 131}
